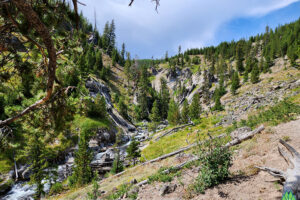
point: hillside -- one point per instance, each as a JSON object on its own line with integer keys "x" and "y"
{"x": 101, "y": 125}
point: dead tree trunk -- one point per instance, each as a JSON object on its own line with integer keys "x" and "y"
{"x": 292, "y": 175}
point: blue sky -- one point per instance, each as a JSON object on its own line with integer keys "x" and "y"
{"x": 189, "y": 23}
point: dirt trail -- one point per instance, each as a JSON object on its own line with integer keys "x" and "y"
{"x": 247, "y": 182}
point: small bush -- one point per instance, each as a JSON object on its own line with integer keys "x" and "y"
{"x": 282, "y": 112}
{"x": 96, "y": 109}
{"x": 120, "y": 192}
{"x": 215, "y": 162}
{"x": 286, "y": 138}
{"x": 164, "y": 177}
{"x": 56, "y": 188}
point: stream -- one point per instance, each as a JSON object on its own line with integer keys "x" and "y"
{"x": 21, "y": 190}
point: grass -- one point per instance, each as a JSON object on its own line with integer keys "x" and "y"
{"x": 88, "y": 125}
{"x": 179, "y": 139}
{"x": 282, "y": 112}
{"x": 5, "y": 164}
{"x": 164, "y": 177}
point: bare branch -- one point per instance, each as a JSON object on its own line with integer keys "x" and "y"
{"x": 156, "y": 2}
{"x": 274, "y": 172}
{"x": 43, "y": 32}
{"x": 286, "y": 157}
{"x": 290, "y": 148}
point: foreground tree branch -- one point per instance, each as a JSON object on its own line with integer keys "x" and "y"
{"x": 156, "y": 2}
{"x": 25, "y": 8}
{"x": 292, "y": 175}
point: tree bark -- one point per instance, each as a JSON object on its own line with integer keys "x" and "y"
{"x": 25, "y": 8}
{"x": 292, "y": 175}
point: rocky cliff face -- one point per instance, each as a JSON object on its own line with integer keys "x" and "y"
{"x": 97, "y": 87}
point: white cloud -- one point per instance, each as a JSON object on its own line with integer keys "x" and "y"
{"x": 190, "y": 23}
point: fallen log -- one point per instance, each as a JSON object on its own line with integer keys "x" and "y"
{"x": 178, "y": 151}
{"x": 229, "y": 144}
{"x": 292, "y": 176}
{"x": 173, "y": 130}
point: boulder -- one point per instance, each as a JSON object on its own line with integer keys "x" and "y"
{"x": 167, "y": 189}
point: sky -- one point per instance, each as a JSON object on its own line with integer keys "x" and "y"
{"x": 189, "y": 23}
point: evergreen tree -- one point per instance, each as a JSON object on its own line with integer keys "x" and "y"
{"x": 222, "y": 89}
{"x": 37, "y": 155}
{"x": 123, "y": 54}
{"x": 195, "y": 107}
{"x": 99, "y": 63}
{"x": 117, "y": 164}
{"x": 261, "y": 64}
{"x": 255, "y": 74}
{"x": 239, "y": 58}
{"x": 217, "y": 97}
{"x": 206, "y": 86}
{"x": 267, "y": 65}
{"x": 133, "y": 151}
{"x": 164, "y": 98}
{"x": 235, "y": 82}
{"x": 185, "y": 112}
{"x": 166, "y": 56}
{"x": 127, "y": 68}
{"x": 155, "y": 112}
{"x": 112, "y": 38}
{"x": 246, "y": 77}
{"x": 96, "y": 109}
{"x": 173, "y": 113}
{"x": 105, "y": 37}
{"x": 83, "y": 157}
{"x": 123, "y": 109}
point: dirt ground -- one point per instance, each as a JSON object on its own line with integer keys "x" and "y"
{"x": 246, "y": 181}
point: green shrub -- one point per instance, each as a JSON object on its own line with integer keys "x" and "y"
{"x": 281, "y": 112}
{"x": 95, "y": 191}
{"x": 215, "y": 162}
{"x": 96, "y": 109}
{"x": 164, "y": 177}
{"x": 56, "y": 188}
{"x": 120, "y": 192}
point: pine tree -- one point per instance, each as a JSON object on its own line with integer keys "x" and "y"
{"x": 155, "y": 112}
{"x": 195, "y": 107}
{"x": 133, "y": 151}
{"x": 255, "y": 74}
{"x": 36, "y": 152}
{"x": 246, "y": 77}
{"x": 123, "y": 54}
{"x": 164, "y": 98}
{"x": 267, "y": 64}
{"x": 166, "y": 57}
{"x": 217, "y": 97}
{"x": 173, "y": 113}
{"x": 99, "y": 63}
{"x": 235, "y": 82}
{"x": 185, "y": 112}
{"x": 261, "y": 64}
{"x": 114, "y": 57}
{"x": 105, "y": 37}
{"x": 83, "y": 157}
{"x": 123, "y": 109}
{"x": 117, "y": 164}
{"x": 222, "y": 90}
{"x": 112, "y": 38}
{"x": 239, "y": 58}
{"x": 127, "y": 68}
